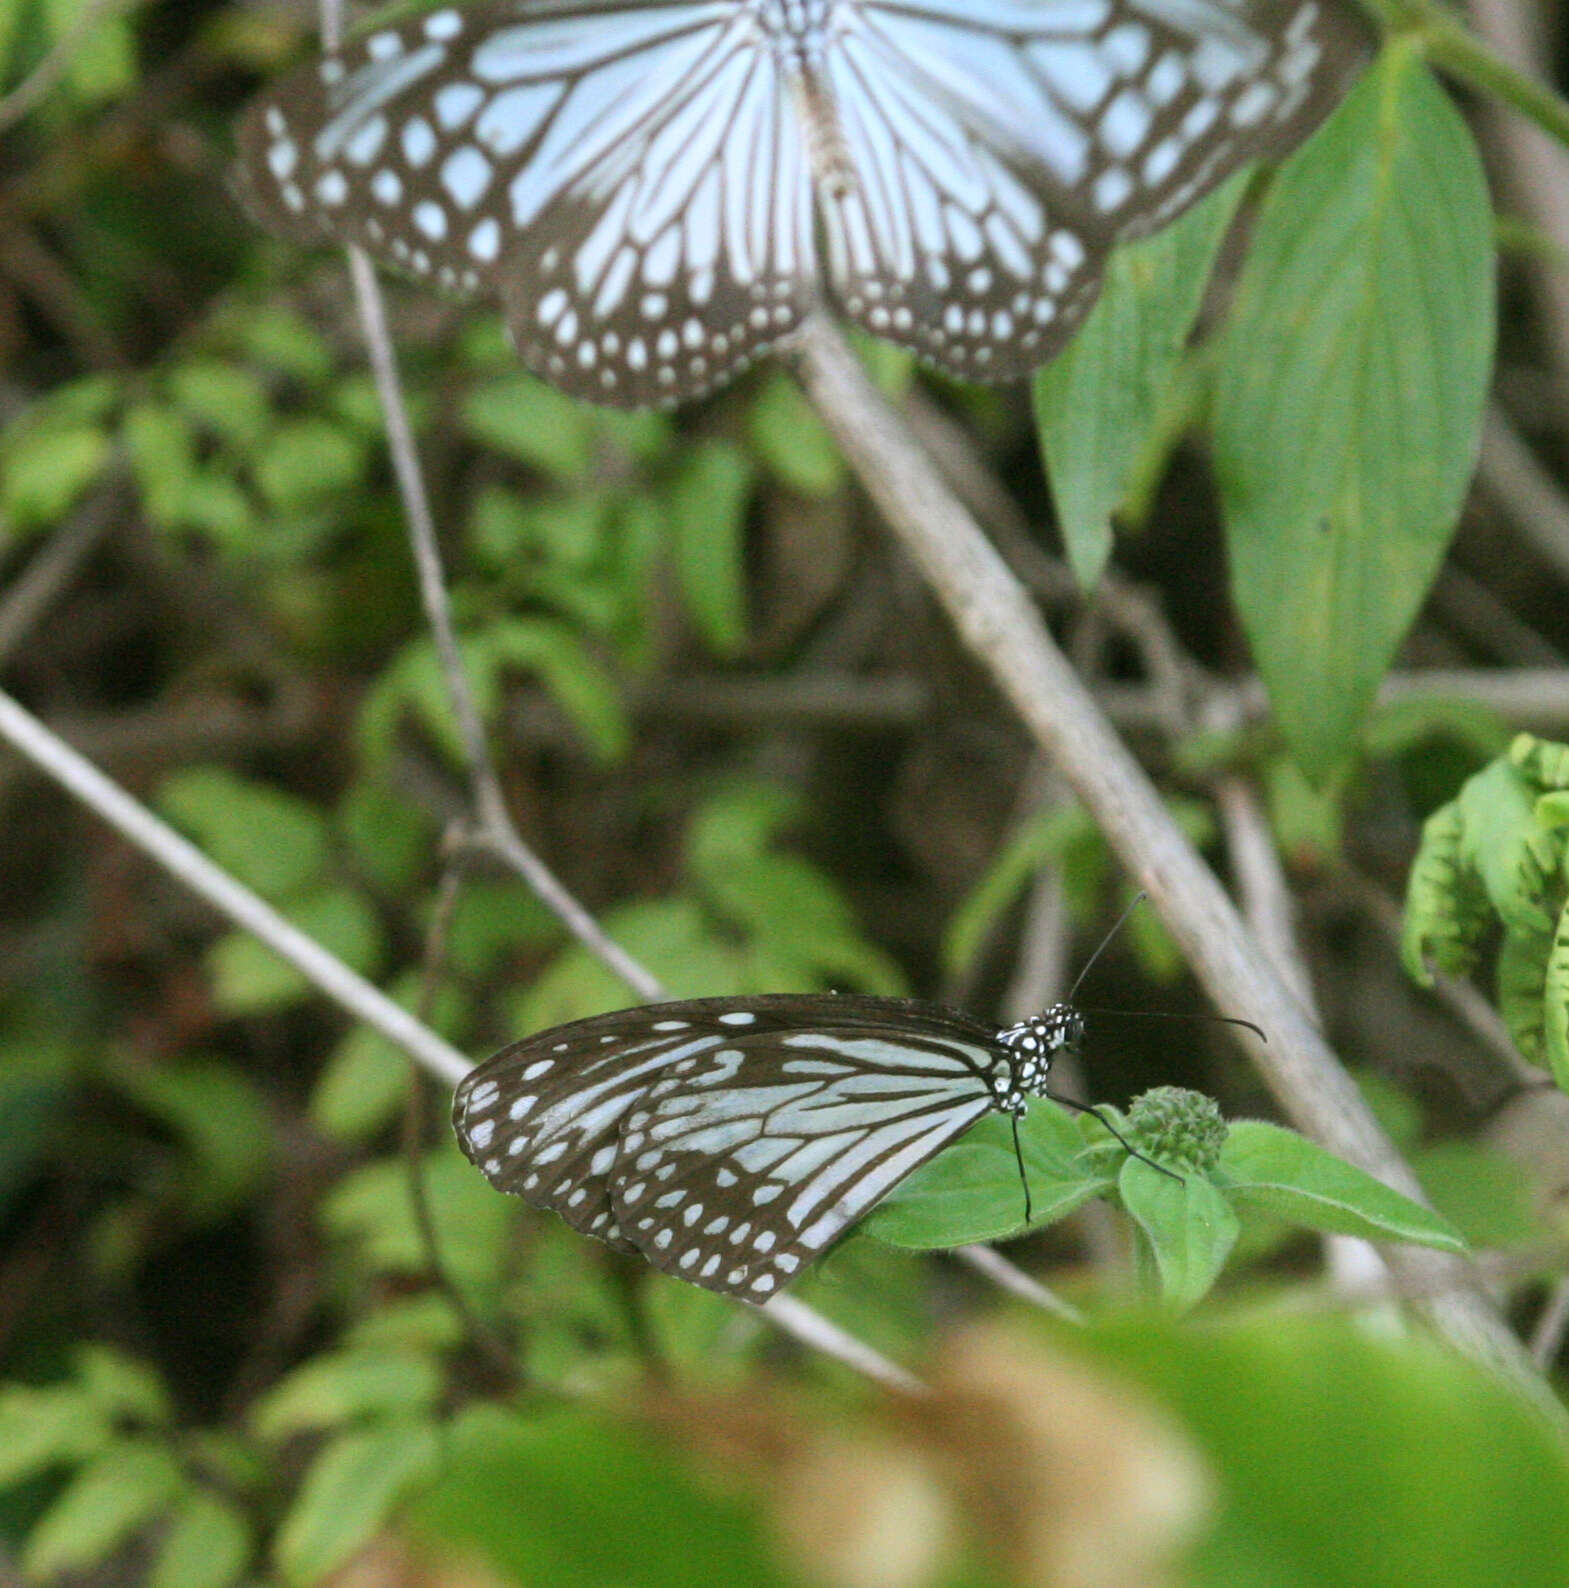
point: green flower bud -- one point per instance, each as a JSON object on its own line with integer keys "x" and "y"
{"x": 1178, "y": 1127}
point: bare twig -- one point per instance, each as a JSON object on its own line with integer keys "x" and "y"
{"x": 1267, "y": 905}
{"x": 995, "y": 1267}
{"x": 1001, "y": 626}
{"x": 1510, "y": 473}
{"x": 493, "y": 828}
{"x": 181, "y": 858}
{"x": 1547, "y": 1338}
{"x": 1538, "y": 165}
{"x": 813, "y": 1329}
{"x": 52, "y": 569}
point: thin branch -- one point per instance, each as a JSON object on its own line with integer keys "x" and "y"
{"x": 1508, "y": 470}
{"x": 54, "y": 566}
{"x": 1448, "y": 45}
{"x": 183, "y": 860}
{"x": 997, "y": 621}
{"x": 813, "y": 1329}
{"x": 1016, "y": 1282}
{"x": 493, "y": 825}
{"x": 1547, "y": 1338}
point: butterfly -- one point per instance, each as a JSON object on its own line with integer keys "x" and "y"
{"x": 659, "y": 191}
{"x": 731, "y": 1141}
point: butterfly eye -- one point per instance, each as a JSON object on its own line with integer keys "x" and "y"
{"x": 659, "y": 192}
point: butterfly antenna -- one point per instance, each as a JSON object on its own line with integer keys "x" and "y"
{"x": 1090, "y": 1108}
{"x": 1137, "y": 900}
{"x": 1024, "y": 1179}
{"x": 1178, "y": 1014}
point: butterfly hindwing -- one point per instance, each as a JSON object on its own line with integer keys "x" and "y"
{"x": 739, "y": 1168}
{"x": 1001, "y": 149}
{"x": 731, "y": 1141}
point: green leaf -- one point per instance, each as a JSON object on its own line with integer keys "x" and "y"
{"x": 1555, "y": 1004}
{"x": 1102, "y": 401}
{"x": 1446, "y": 914}
{"x": 162, "y": 450}
{"x": 738, "y": 822}
{"x": 364, "y": 1085}
{"x": 1351, "y": 384}
{"x": 1333, "y": 1445}
{"x": 372, "y": 1209}
{"x": 48, "y": 1427}
{"x": 229, "y": 400}
{"x": 1503, "y": 842}
{"x": 349, "y": 1493}
{"x": 580, "y": 686}
{"x": 791, "y": 442}
{"x": 221, "y": 1122}
{"x": 532, "y": 422}
{"x": 120, "y": 1386}
{"x": 495, "y": 922}
{"x": 344, "y": 1386}
{"x": 549, "y": 650}
{"x": 101, "y": 64}
{"x": 1522, "y": 990}
{"x": 1043, "y": 837}
{"x": 118, "y": 1492}
{"x": 1486, "y": 1193}
{"x": 424, "y": 1323}
{"x": 249, "y": 979}
{"x": 1188, "y": 1224}
{"x": 208, "y": 1545}
{"x": 1294, "y": 1179}
{"x": 45, "y": 468}
{"x": 283, "y": 341}
{"x": 708, "y": 503}
{"x": 971, "y": 1191}
{"x": 391, "y": 837}
{"x": 273, "y": 842}
{"x": 308, "y": 459}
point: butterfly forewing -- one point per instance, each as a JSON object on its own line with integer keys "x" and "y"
{"x": 730, "y": 1141}
{"x": 630, "y": 179}
{"x": 643, "y": 182}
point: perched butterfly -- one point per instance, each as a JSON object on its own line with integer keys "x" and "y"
{"x": 732, "y": 1140}
{"x": 660, "y": 190}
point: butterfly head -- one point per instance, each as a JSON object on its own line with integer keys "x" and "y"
{"x": 1036, "y": 1041}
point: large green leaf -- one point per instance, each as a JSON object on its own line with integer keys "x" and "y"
{"x": 1350, "y": 395}
{"x": 1296, "y": 1180}
{"x": 1188, "y": 1225}
{"x": 568, "y": 1498}
{"x": 1345, "y": 1459}
{"x": 972, "y": 1192}
{"x": 1100, "y": 403}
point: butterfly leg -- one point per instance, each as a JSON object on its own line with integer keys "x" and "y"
{"x": 1018, "y": 1154}
{"x": 1090, "y": 1108}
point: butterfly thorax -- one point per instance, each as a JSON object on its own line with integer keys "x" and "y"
{"x": 796, "y": 24}
{"x": 801, "y": 32}
{"x": 1030, "y": 1047}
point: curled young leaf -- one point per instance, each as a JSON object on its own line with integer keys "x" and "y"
{"x": 1522, "y": 989}
{"x": 1446, "y": 910}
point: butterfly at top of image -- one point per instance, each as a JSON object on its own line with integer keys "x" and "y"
{"x": 659, "y": 191}
{"x": 731, "y": 1141}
